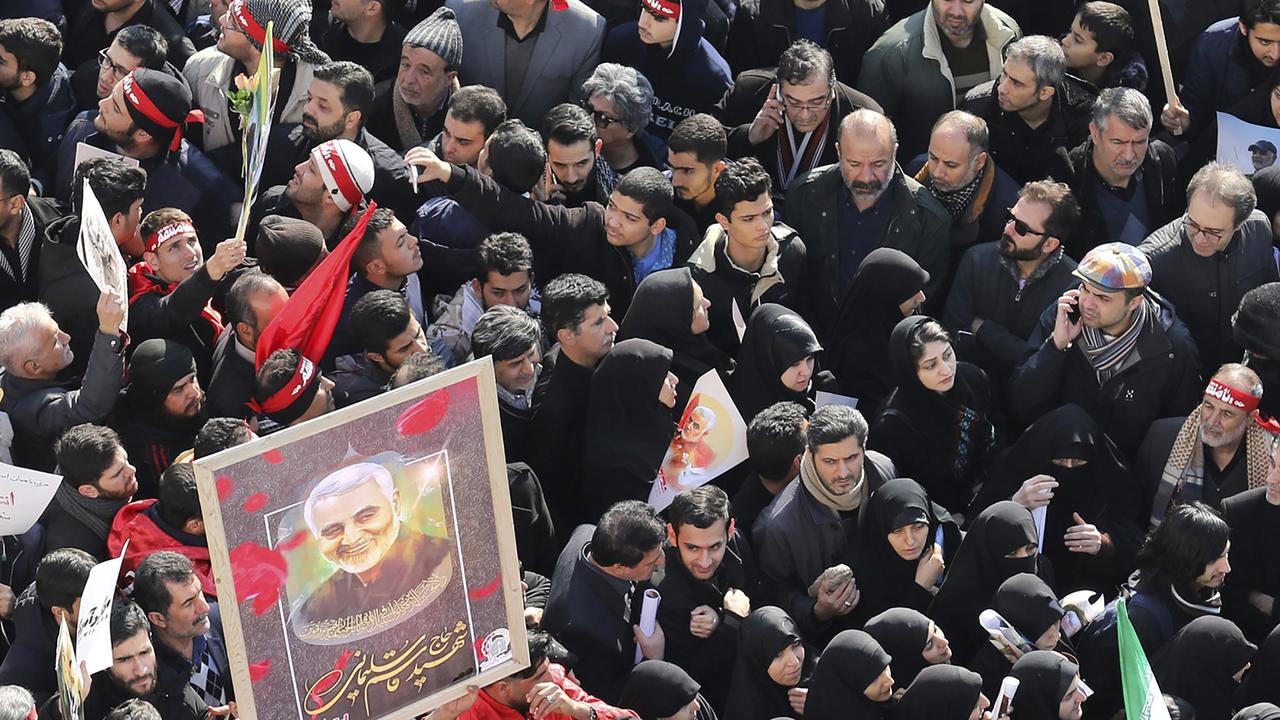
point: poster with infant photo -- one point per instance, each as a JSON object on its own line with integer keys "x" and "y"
{"x": 365, "y": 560}
{"x": 1245, "y": 146}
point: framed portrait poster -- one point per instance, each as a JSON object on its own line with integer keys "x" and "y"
{"x": 366, "y": 559}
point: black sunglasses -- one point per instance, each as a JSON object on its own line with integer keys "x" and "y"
{"x": 1021, "y": 227}
{"x": 601, "y": 119}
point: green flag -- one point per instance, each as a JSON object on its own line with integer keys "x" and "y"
{"x": 1142, "y": 698}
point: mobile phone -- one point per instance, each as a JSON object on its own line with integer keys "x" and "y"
{"x": 1073, "y": 315}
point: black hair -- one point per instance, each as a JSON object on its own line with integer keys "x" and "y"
{"x": 1064, "y": 211}
{"x": 177, "y": 498}
{"x": 356, "y": 84}
{"x": 1110, "y": 25}
{"x": 566, "y": 299}
{"x": 568, "y": 124}
{"x": 540, "y": 642}
{"x": 221, "y": 433}
{"x": 517, "y": 157}
{"x": 276, "y": 372}
{"x": 651, "y": 189}
{"x": 1190, "y": 537}
{"x": 145, "y": 43}
{"x": 775, "y": 437}
{"x": 238, "y": 306}
{"x": 418, "y": 366}
{"x": 15, "y": 177}
{"x": 477, "y": 103}
{"x": 833, "y": 424}
{"x": 505, "y": 253}
{"x": 1253, "y": 12}
{"x": 626, "y": 533}
{"x": 116, "y": 184}
{"x": 85, "y": 452}
{"x": 701, "y": 135}
{"x": 377, "y": 318}
{"x": 157, "y": 571}
{"x": 805, "y": 62}
{"x": 506, "y": 333}
{"x": 61, "y": 575}
{"x": 923, "y": 334}
{"x": 35, "y": 42}
{"x": 700, "y": 507}
{"x": 741, "y": 181}
{"x": 134, "y": 708}
{"x": 370, "y": 246}
{"x": 127, "y": 620}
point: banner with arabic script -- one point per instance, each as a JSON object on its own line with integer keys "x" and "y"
{"x": 365, "y": 560}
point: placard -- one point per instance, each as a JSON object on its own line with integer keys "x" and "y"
{"x": 710, "y": 439}
{"x": 24, "y": 495}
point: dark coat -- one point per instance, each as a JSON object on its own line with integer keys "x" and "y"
{"x": 556, "y": 436}
{"x": 30, "y": 661}
{"x": 1222, "y": 70}
{"x": 232, "y": 384}
{"x": 763, "y": 29}
{"x": 1206, "y": 290}
{"x": 1165, "y": 197}
{"x": 40, "y": 121}
{"x": 1153, "y": 454}
{"x": 176, "y": 315}
{"x": 1159, "y": 380}
{"x": 918, "y": 225}
{"x": 986, "y": 287}
{"x": 1254, "y": 567}
{"x": 1028, "y": 154}
{"x": 67, "y": 289}
{"x": 13, "y": 291}
{"x": 88, "y": 34}
{"x": 796, "y": 538}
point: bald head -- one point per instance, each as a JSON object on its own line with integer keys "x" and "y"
{"x": 868, "y": 142}
{"x": 957, "y": 150}
{"x": 1240, "y": 377}
{"x": 864, "y": 124}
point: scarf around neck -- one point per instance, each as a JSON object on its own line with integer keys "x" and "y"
{"x": 957, "y": 201}
{"x": 94, "y": 513}
{"x": 1107, "y": 356}
{"x": 850, "y": 501}
{"x": 799, "y": 155}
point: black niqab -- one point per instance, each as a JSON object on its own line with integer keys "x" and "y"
{"x": 776, "y": 338}
{"x": 753, "y": 695}
{"x": 851, "y": 662}
{"x": 1044, "y": 678}
{"x": 1260, "y": 683}
{"x": 658, "y": 689}
{"x": 903, "y": 633}
{"x": 1197, "y": 665}
{"x": 940, "y": 692}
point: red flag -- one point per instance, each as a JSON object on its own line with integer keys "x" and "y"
{"x": 307, "y": 321}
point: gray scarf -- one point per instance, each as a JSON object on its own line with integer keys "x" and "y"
{"x": 94, "y": 513}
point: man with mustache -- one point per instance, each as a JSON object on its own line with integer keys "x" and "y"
{"x": 161, "y": 409}
{"x": 1001, "y": 287}
{"x": 355, "y": 516}
{"x": 1127, "y": 183}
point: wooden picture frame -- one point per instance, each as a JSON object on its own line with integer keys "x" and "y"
{"x": 329, "y": 615}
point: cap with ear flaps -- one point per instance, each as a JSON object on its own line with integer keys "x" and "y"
{"x": 347, "y": 171}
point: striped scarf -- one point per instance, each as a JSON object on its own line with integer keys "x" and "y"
{"x": 1182, "y": 480}
{"x": 1106, "y": 356}
{"x": 793, "y": 160}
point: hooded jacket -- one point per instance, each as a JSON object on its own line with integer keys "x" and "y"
{"x": 140, "y": 524}
{"x": 688, "y": 78}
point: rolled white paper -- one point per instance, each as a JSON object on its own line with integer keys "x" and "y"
{"x": 1039, "y": 515}
{"x": 648, "y": 617}
{"x": 1008, "y": 688}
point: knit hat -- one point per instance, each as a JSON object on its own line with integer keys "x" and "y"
{"x": 288, "y": 247}
{"x": 159, "y": 103}
{"x": 1114, "y": 267}
{"x": 1256, "y": 324}
{"x": 155, "y": 367}
{"x": 347, "y": 171}
{"x": 440, "y": 34}
{"x": 290, "y": 34}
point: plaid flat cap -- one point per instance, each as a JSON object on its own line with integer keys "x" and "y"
{"x": 1115, "y": 266}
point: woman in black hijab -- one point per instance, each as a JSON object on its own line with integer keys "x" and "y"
{"x": 1203, "y": 665}
{"x": 1028, "y": 604}
{"x": 895, "y": 559}
{"x": 659, "y": 690}
{"x": 913, "y": 640}
{"x": 670, "y": 309}
{"x": 1049, "y": 687}
{"x": 1260, "y": 682}
{"x": 935, "y": 424}
{"x": 852, "y": 680}
{"x": 629, "y": 424}
{"x": 771, "y": 669}
{"x": 1094, "y": 484}
{"x": 1000, "y": 544}
{"x": 888, "y": 286}
{"x": 943, "y": 692}
{"x": 777, "y": 362}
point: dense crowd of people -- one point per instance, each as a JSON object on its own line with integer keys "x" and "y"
{"x": 997, "y": 316}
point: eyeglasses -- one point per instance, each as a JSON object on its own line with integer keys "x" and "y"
{"x": 601, "y": 118}
{"x": 1021, "y": 227}
{"x": 808, "y": 105}
{"x": 1193, "y": 228}
{"x": 106, "y": 63}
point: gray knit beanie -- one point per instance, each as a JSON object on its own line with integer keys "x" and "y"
{"x": 440, "y": 34}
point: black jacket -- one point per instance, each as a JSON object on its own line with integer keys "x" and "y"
{"x": 30, "y": 661}
{"x": 39, "y": 123}
{"x": 986, "y": 287}
{"x": 1028, "y": 154}
{"x": 88, "y": 34}
{"x": 763, "y": 29}
{"x": 382, "y": 117}
{"x": 1160, "y": 379}
{"x": 556, "y": 435}
{"x": 1206, "y": 290}
{"x": 563, "y": 239}
{"x": 176, "y": 315}
{"x": 232, "y": 384}
{"x": 25, "y": 288}
{"x": 1166, "y": 198}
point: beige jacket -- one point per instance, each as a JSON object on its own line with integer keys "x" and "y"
{"x": 209, "y": 73}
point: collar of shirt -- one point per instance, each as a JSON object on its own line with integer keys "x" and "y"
{"x": 504, "y": 22}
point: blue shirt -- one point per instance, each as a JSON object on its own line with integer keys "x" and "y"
{"x": 860, "y": 232}
{"x": 659, "y": 258}
{"x": 812, "y": 24}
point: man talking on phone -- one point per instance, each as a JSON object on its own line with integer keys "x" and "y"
{"x": 1112, "y": 346}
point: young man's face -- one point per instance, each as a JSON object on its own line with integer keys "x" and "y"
{"x": 701, "y": 549}
{"x": 324, "y": 117}
{"x": 571, "y": 164}
{"x": 306, "y": 187}
{"x": 1080, "y": 47}
{"x": 625, "y": 223}
{"x": 10, "y": 77}
{"x": 1103, "y": 310}
{"x": 518, "y": 374}
{"x": 839, "y": 464}
{"x": 656, "y": 30}
{"x": 513, "y": 289}
{"x": 595, "y": 335}
{"x": 177, "y": 259}
{"x": 400, "y": 347}
{"x": 1264, "y": 41}
{"x": 133, "y": 665}
{"x": 120, "y": 62}
{"x": 749, "y": 223}
{"x": 114, "y": 121}
{"x": 691, "y": 179}
{"x": 462, "y": 141}
{"x": 185, "y": 398}
{"x": 399, "y": 250}
{"x": 118, "y": 481}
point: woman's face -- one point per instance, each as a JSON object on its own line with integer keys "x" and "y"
{"x": 1070, "y": 707}
{"x": 688, "y": 712}
{"x": 880, "y": 689}
{"x": 1069, "y": 463}
{"x": 981, "y": 707}
{"x": 796, "y": 377}
{"x": 785, "y": 668}
{"x": 936, "y": 367}
{"x": 937, "y": 650}
{"x": 909, "y": 540}
{"x": 667, "y": 393}
{"x": 1048, "y": 640}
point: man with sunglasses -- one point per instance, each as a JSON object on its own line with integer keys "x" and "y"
{"x": 1205, "y": 261}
